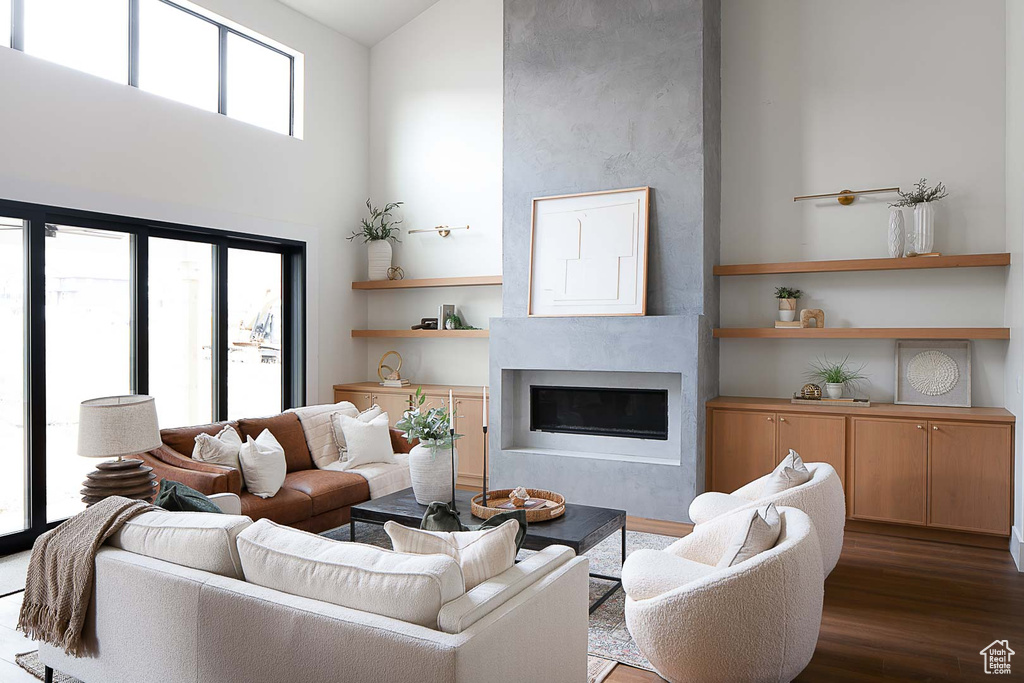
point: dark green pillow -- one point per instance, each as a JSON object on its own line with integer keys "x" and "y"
{"x": 176, "y": 497}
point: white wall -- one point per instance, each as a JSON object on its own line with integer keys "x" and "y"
{"x": 819, "y": 97}
{"x": 73, "y": 140}
{"x": 435, "y": 144}
{"x": 1015, "y": 245}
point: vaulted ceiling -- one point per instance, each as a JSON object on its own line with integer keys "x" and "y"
{"x": 365, "y": 21}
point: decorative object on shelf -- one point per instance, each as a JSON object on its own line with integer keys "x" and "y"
{"x": 444, "y": 312}
{"x": 895, "y": 232}
{"x": 815, "y": 314}
{"x": 118, "y": 427}
{"x": 921, "y": 239}
{"x": 391, "y": 378}
{"x": 845, "y": 197}
{"x": 396, "y": 273}
{"x": 425, "y": 324}
{"x": 589, "y": 254}
{"x": 791, "y": 325}
{"x": 810, "y": 392}
{"x": 787, "y": 302}
{"x": 433, "y": 474}
{"x": 454, "y": 322}
{"x": 855, "y": 402}
{"x": 442, "y": 230}
{"x": 378, "y": 232}
{"x": 933, "y": 373}
{"x": 836, "y": 376}
{"x": 552, "y": 507}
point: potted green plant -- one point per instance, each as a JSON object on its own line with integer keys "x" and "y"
{"x": 378, "y": 232}
{"x": 922, "y": 198}
{"x": 432, "y": 460}
{"x": 787, "y": 303}
{"x": 835, "y": 376}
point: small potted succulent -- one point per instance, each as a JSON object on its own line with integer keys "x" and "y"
{"x": 432, "y": 460}
{"x": 787, "y": 303}
{"x": 922, "y": 238}
{"x": 835, "y": 376}
{"x": 378, "y": 232}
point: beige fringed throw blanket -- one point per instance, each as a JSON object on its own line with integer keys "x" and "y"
{"x": 59, "y": 582}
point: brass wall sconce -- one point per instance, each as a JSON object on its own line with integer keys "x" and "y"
{"x": 442, "y": 230}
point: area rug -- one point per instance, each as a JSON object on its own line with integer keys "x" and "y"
{"x": 598, "y": 669}
{"x": 29, "y": 661}
{"x": 12, "y": 572}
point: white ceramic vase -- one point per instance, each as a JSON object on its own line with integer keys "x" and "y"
{"x": 834, "y": 389}
{"x": 378, "y": 254}
{"x": 924, "y": 227}
{"x": 896, "y": 233}
{"x": 431, "y": 472}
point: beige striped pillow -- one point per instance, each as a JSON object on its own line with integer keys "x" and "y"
{"x": 481, "y": 554}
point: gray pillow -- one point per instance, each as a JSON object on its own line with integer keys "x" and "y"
{"x": 759, "y": 534}
{"x": 791, "y": 472}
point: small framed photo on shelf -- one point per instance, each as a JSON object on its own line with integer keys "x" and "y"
{"x": 933, "y": 373}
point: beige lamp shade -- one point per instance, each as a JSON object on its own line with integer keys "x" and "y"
{"x": 116, "y": 426}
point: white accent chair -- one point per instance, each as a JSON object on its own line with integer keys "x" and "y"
{"x": 821, "y": 498}
{"x": 755, "y": 621}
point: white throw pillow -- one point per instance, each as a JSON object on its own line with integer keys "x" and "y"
{"x": 318, "y": 429}
{"x": 482, "y": 554}
{"x": 791, "y": 472}
{"x": 760, "y": 534}
{"x": 221, "y": 449}
{"x": 412, "y": 588}
{"x": 367, "y": 415}
{"x": 263, "y": 465}
{"x": 368, "y": 442}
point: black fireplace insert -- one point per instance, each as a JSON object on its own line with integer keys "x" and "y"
{"x": 600, "y": 411}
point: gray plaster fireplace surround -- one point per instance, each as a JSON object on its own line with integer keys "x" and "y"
{"x": 645, "y": 114}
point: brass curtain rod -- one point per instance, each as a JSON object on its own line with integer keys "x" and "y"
{"x": 846, "y": 196}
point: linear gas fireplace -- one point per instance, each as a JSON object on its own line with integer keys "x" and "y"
{"x": 600, "y": 411}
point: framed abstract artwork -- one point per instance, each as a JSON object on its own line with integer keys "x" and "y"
{"x": 933, "y": 373}
{"x": 589, "y": 254}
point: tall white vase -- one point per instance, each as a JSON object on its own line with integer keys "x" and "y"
{"x": 924, "y": 227}
{"x": 431, "y": 473}
{"x": 896, "y": 233}
{"x": 378, "y": 254}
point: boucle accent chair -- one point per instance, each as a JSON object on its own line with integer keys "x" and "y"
{"x": 755, "y": 621}
{"x": 821, "y": 497}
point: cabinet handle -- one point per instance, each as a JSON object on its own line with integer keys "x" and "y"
{"x": 920, "y": 426}
{"x": 782, "y": 419}
{"x": 769, "y": 419}
{"x": 935, "y": 428}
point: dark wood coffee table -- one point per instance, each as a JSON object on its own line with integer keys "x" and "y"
{"x": 581, "y": 527}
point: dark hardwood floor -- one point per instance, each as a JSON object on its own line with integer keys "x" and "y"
{"x": 905, "y": 610}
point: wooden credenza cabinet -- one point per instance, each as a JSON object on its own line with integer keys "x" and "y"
{"x": 468, "y": 416}
{"x": 942, "y": 468}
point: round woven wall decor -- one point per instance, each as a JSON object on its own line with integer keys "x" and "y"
{"x": 932, "y": 373}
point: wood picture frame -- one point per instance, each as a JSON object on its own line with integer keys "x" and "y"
{"x": 571, "y": 275}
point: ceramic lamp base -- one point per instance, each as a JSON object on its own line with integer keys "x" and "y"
{"x": 128, "y": 477}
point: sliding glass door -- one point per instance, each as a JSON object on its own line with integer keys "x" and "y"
{"x": 13, "y": 508}
{"x": 211, "y": 323}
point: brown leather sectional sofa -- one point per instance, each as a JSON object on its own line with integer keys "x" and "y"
{"x": 311, "y": 499}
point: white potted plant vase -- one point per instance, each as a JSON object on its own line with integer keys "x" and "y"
{"x": 924, "y": 227}
{"x": 787, "y": 310}
{"x": 834, "y": 390}
{"x": 431, "y": 471}
{"x": 378, "y": 254}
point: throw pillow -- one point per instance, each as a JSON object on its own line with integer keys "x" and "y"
{"x": 367, "y": 415}
{"x": 319, "y": 430}
{"x": 263, "y": 465}
{"x": 287, "y": 429}
{"x": 367, "y": 442}
{"x": 481, "y": 554}
{"x": 791, "y": 472}
{"x": 221, "y": 449}
{"x": 760, "y": 533}
{"x": 176, "y": 497}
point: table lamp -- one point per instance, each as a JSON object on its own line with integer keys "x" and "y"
{"x": 116, "y": 427}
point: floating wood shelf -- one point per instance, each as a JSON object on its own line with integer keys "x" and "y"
{"x": 863, "y": 333}
{"x": 474, "y": 281}
{"x": 849, "y": 265}
{"x": 423, "y": 334}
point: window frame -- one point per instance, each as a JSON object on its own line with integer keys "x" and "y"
{"x": 18, "y": 43}
{"x": 293, "y": 313}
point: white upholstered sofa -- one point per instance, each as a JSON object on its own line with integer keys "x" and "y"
{"x": 821, "y": 497}
{"x": 177, "y": 608}
{"x": 755, "y": 621}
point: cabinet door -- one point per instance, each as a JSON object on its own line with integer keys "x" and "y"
{"x": 817, "y": 438}
{"x": 890, "y": 470}
{"x": 969, "y": 477}
{"x": 469, "y": 423}
{"x": 742, "y": 448}
{"x": 394, "y": 405}
{"x": 360, "y": 399}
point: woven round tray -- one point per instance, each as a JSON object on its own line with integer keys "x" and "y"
{"x": 537, "y": 514}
